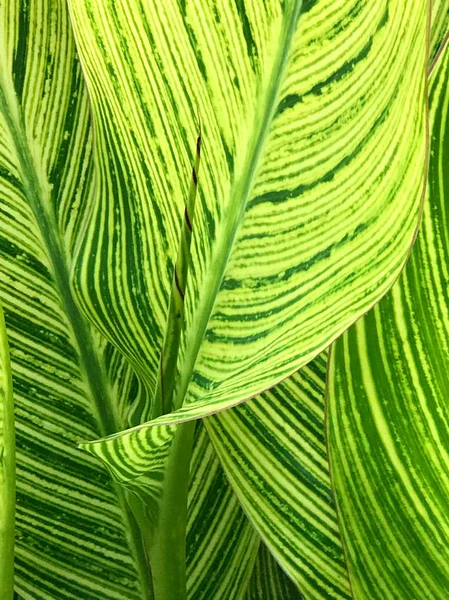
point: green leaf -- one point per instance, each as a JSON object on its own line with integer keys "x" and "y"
{"x": 222, "y": 545}
{"x": 388, "y": 412}
{"x": 269, "y": 582}
{"x": 122, "y": 217}
{"x": 71, "y": 535}
{"x": 130, "y": 456}
{"x": 439, "y": 30}
{"x": 274, "y": 454}
{"x": 84, "y": 555}
{"x": 7, "y": 470}
{"x": 310, "y": 186}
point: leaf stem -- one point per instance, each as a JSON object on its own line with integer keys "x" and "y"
{"x": 136, "y": 544}
{"x": 168, "y": 546}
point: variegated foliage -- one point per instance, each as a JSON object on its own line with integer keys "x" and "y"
{"x": 7, "y": 469}
{"x": 312, "y": 175}
{"x": 388, "y": 412}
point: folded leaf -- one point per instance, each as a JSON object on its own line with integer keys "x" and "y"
{"x": 7, "y": 469}
{"x": 313, "y": 167}
{"x": 388, "y": 416}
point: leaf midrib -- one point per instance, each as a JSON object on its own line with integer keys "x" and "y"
{"x": 240, "y": 192}
{"x": 89, "y": 361}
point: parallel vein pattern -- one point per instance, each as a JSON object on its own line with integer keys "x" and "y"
{"x": 70, "y": 536}
{"x": 222, "y": 545}
{"x": 388, "y": 411}
{"x": 311, "y": 180}
{"x": 273, "y": 451}
{"x": 439, "y": 31}
{"x": 284, "y": 230}
{"x": 269, "y": 582}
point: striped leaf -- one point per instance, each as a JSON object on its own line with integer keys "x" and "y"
{"x": 439, "y": 30}
{"x": 269, "y": 582}
{"x": 281, "y": 89}
{"x": 310, "y": 186}
{"x": 71, "y": 532}
{"x": 256, "y": 443}
{"x": 222, "y": 545}
{"x": 7, "y": 470}
{"x": 274, "y": 453}
{"x": 388, "y": 412}
{"x": 317, "y": 543}
{"x": 270, "y": 465}
{"x": 70, "y": 535}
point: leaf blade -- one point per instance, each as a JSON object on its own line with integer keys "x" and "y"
{"x": 269, "y": 582}
{"x": 222, "y": 545}
{"x": 279, "y": 337}
{"x": 44, "y": 169}
{"x": 439, "y": 31}
{"x": 274, "y": 453}
{"x": 387, "y": 410}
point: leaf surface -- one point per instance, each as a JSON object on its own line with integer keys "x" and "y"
{"x": 388, "y": 416}
{"x": 71, "y": 539}
{"x": 143, "y": 116}
{"x": 222, "y": 545}
{"x": 274, "y": 453}
{"x": 439, "y": 30}
{"x": 269, "y": 582}
{"x": 7, "y": 469}
{"x": 313, "y": 120}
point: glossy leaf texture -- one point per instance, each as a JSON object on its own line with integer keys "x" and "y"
{"x": 388, "y": 419}
{"x": 7, "y": 469}
{"x": 70, "y": 533}
{"x": 313, "y": 168}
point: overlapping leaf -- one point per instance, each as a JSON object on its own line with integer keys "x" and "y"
{"x": 70, "y": 534}
{"x": 70, "y": 541}
{"x": 238, "y": 428}
{"x": 269, "y": 582}
{"x": 142, "y": 121}
{"x": 439, "y": 30}
{"x": 274, "y": 453}
{"x": 388, "y": 411}
{"x": 310, "y": 186}
{"x": 222, "y": 545}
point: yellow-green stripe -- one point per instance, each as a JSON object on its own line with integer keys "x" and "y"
{"x": 312, "y": 175}
{"x": 387, "y": 410}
